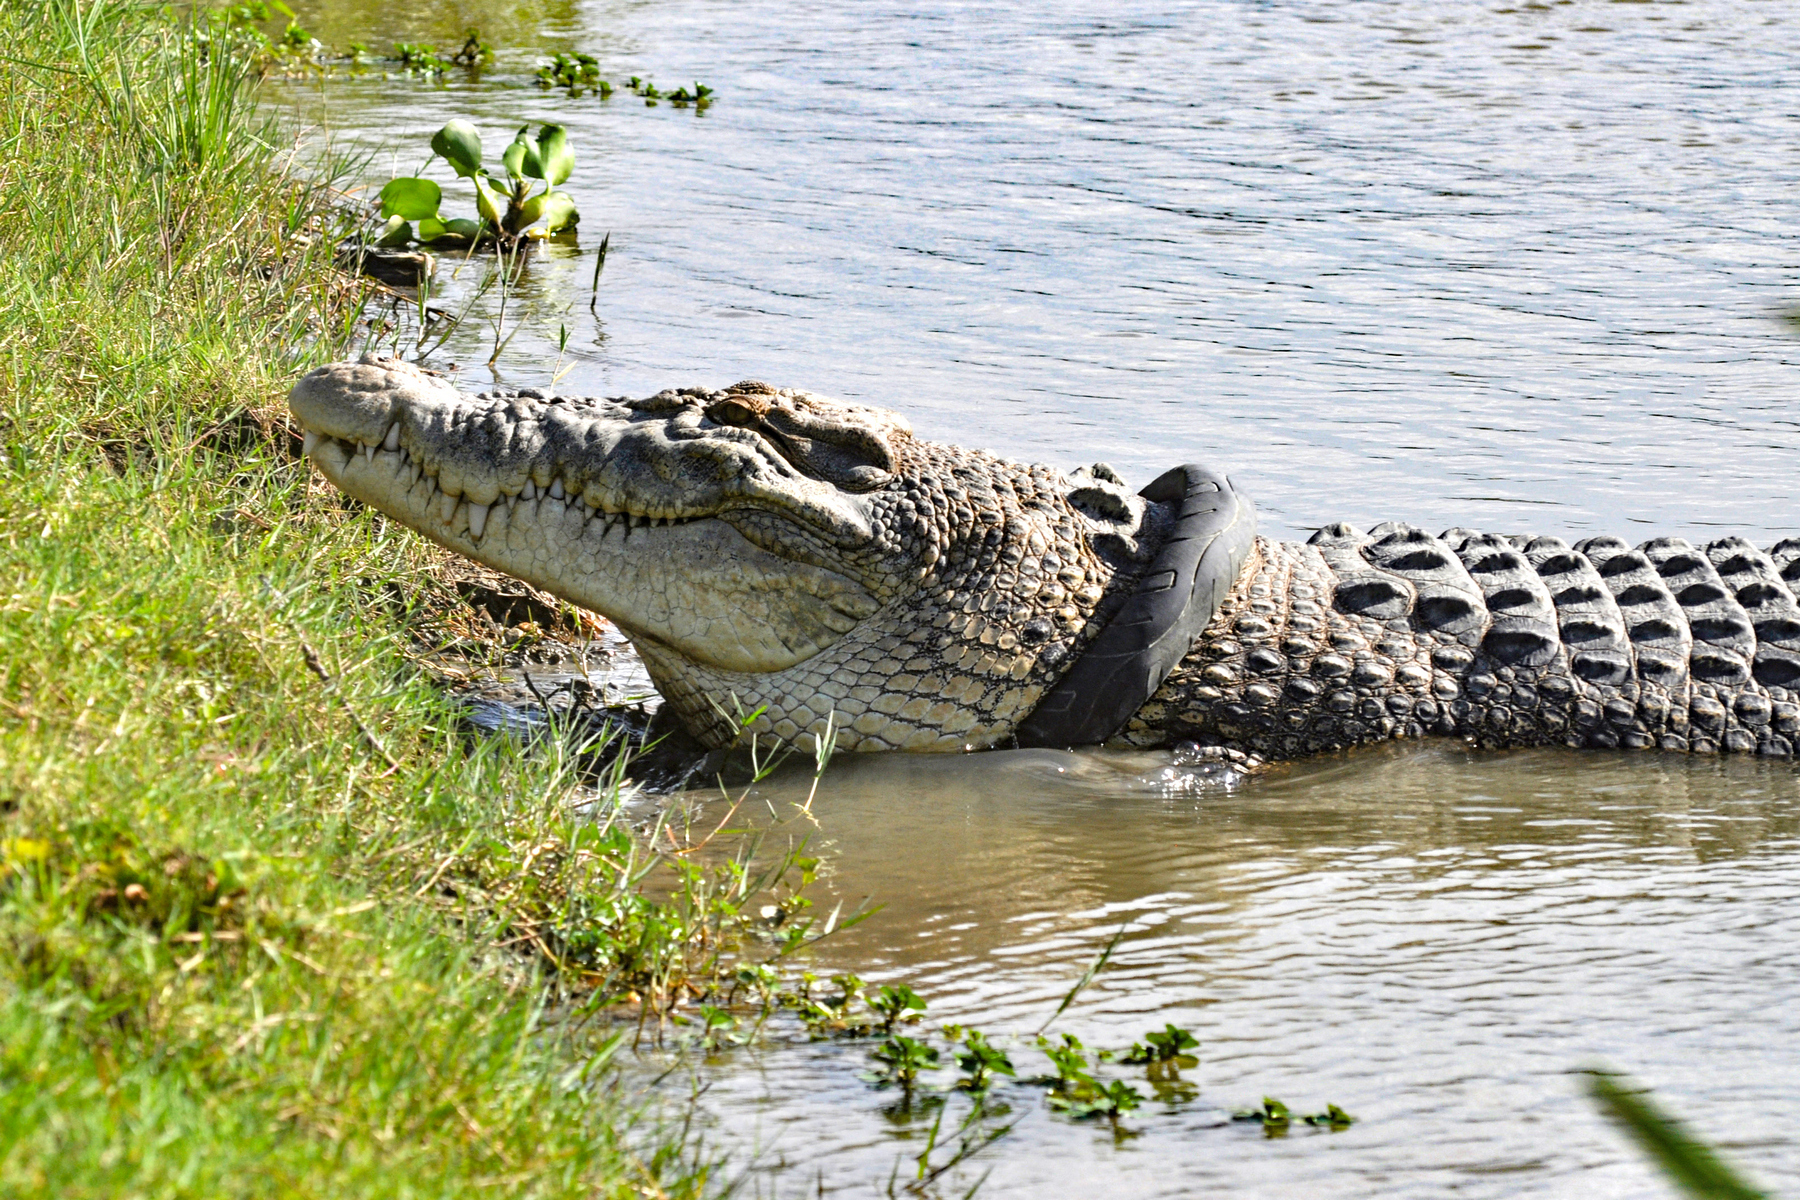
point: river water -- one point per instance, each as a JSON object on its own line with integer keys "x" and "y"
{"x": 1524, "y": 268}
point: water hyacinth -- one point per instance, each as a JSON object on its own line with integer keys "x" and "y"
{"x": 509, "y": 206}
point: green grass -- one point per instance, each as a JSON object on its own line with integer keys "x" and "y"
{"x": 240, "y": 953}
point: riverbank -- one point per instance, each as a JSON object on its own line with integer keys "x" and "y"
{"x": 269, "y": 925}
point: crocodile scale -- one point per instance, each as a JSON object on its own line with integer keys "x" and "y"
{"x": 1356, "y": 638}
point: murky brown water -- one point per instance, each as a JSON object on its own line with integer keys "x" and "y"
{"x": 1519, "y": 267}
{"x": 1430, "y": 938}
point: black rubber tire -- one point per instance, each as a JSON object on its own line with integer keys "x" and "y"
{"x": 1170, "y": 606}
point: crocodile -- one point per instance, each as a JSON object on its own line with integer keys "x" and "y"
{"x": 791, "y": 565}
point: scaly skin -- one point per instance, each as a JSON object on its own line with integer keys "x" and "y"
{"x": 1544, "y": 655}
{"x": 773, "y": 550}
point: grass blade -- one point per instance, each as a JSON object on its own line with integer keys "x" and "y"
{"x": 1690, "y": 1163}
{"x": 1087, "y": 977}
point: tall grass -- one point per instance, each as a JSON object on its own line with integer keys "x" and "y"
{"x": 256, "y": 899}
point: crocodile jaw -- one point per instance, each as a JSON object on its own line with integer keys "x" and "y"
{"x": 733, "y": 605}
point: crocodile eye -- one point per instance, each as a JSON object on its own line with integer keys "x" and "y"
{"x": 737, "y": 410}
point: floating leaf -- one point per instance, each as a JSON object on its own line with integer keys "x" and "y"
{"x": 411, "y": 198}
{"x": 435, "y": 229}
{"x": 459, "y": 144}
{"x": 1333, "y": 1118}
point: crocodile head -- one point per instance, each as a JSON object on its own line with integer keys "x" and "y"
{"x": 764, "y": 549}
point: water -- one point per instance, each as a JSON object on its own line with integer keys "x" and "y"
{"x": 1521, "y": 268}
{"x": 1430, "y": 938}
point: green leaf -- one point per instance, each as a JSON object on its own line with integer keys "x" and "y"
{"x": 459, "y": 143}
{"x": 411, "y": 198}
{"x": 488, "y": 202}
{"x": 1691, "y": 1164}
{"x": 521, "y": 157}
{"x": 553, "y": 149}
{"x": 559, "y": 212}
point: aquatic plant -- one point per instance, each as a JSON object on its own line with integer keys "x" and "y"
{"x": 476, "y": 52}
{"x": 902, "y": 1058}
{"x": 895, "y": 1003}
{"x": 1112, "y": 1100}
{"x": 1272, "y": 1115}
{"x": 509, "y": 207}
{"x": 1163, "y": 1055}
{"x": 1171, "y": 1045}
{"x": 418, "y": 59}
{"x": 1069, "y": 1058}
{"x": 980, "y": 1061}
{"x": 1276, "y": 1118}
{"x": 716, "y": 1028}
{"x": 574, "y": 72}
{"x": 700, "y": 97}
{"x": 238, "y": 29}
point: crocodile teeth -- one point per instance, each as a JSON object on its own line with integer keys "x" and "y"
{"x": 368, "y": 451}
{"x": 556, "y": 489}
{"x": 312, "y": 442}
{"x": 529, "y": 491}
{"x": 478, "y": 514}
{"x": 392, "y": 440}
{"x": 446, "y": 508}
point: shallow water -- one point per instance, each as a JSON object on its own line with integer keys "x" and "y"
{"x": 1522, "y": 268}
{"x": 1431, "y": 938}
